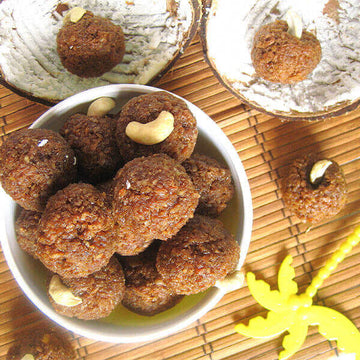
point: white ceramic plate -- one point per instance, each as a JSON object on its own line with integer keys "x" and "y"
{"x": 333, "y": 88}
{"x": 156, "y": 34}
{"x": 123, "y": 326}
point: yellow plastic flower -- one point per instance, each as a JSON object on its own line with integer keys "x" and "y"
{"x": 295, "y": 313}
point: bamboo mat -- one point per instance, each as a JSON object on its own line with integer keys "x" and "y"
{"x": 265, "y": 145}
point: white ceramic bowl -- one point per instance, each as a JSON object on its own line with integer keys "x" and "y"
{"x": 123, "y": 326}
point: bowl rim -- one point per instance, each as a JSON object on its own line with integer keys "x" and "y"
{"x": 154, "y": 331}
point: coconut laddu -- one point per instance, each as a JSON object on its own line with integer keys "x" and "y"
{"x": 153, "y": 198}
{"x": 213, "y": 182}
{"x": 76, "y": 232}
{"x": 144, "y": 110}
{"x": 314, "y": 188}
{"x": 41, "y": 344}
{"x": 34, "y": 164}
{"x": 89, "y": 45}
{"x": 146, "y": 293}
{"x": 93, "y": 140}
{"x": 201, "y": 253}
{"x": 27, "y": 230}
{"x": 92, "y": 297}
{"x": 281, "y": 57}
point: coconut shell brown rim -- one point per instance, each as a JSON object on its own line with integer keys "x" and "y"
{"x": 189, "y": 35}
{"x": 337, "y": 110}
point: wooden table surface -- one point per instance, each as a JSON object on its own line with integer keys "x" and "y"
{"x": 265, "y": 146}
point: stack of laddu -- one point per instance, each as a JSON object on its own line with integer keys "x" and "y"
{"x": 133, "y": 219}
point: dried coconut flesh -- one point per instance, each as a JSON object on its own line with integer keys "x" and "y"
{"x": 154, "y": 34}
{"x": 231, "y": 28}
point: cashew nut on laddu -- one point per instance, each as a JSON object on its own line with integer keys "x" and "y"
{"x": 152, "y": 132}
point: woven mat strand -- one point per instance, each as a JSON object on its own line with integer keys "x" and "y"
{"x": 265, "y": 145}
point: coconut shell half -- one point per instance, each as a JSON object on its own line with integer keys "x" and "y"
{"x": 227, "y": 32}
{"x": 156, "y": 33}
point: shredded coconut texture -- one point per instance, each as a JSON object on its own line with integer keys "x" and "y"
{"x": 29, "y": 61}
{"x": 230, "y": 32}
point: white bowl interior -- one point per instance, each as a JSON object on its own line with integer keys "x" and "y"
{"x": 123, "y": 326}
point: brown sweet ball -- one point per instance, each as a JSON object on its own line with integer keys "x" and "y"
{"x": 34, "y": 164}
{"x": 90, "y": 46}
{"x": 76, "y": 232}
{"x": 213, "y": 182}
{"x": 93, "y": 140}
{"x": 146, "y": 108}
{"x": 27, "y": 230}
{"x": 41, "y": 344}
{"x": 153, "y": 199}
{"x": 146, "y": 293}
{"x": 280, "y": 57}
{"x": 107, "y": 188}
{"x": 92, "y": 297}
{"x": 131, "y": 245}
{"x": 314, "y": 201}
{"x": 201, "y": 253}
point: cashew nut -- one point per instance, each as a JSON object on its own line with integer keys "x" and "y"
{"x": 233, "y": 281}
{"x": 152, "y": 132}
{"x": 28, "y": 357}
{"x": 318, "y": 170}
{"x": 294, "y": 22}
{"x": 101, "y": 106}
{"x": 74, "y": 14}
{"x": 61, "y": 294}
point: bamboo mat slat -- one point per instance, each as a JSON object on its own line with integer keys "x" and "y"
{"x": 266, "y": 145}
